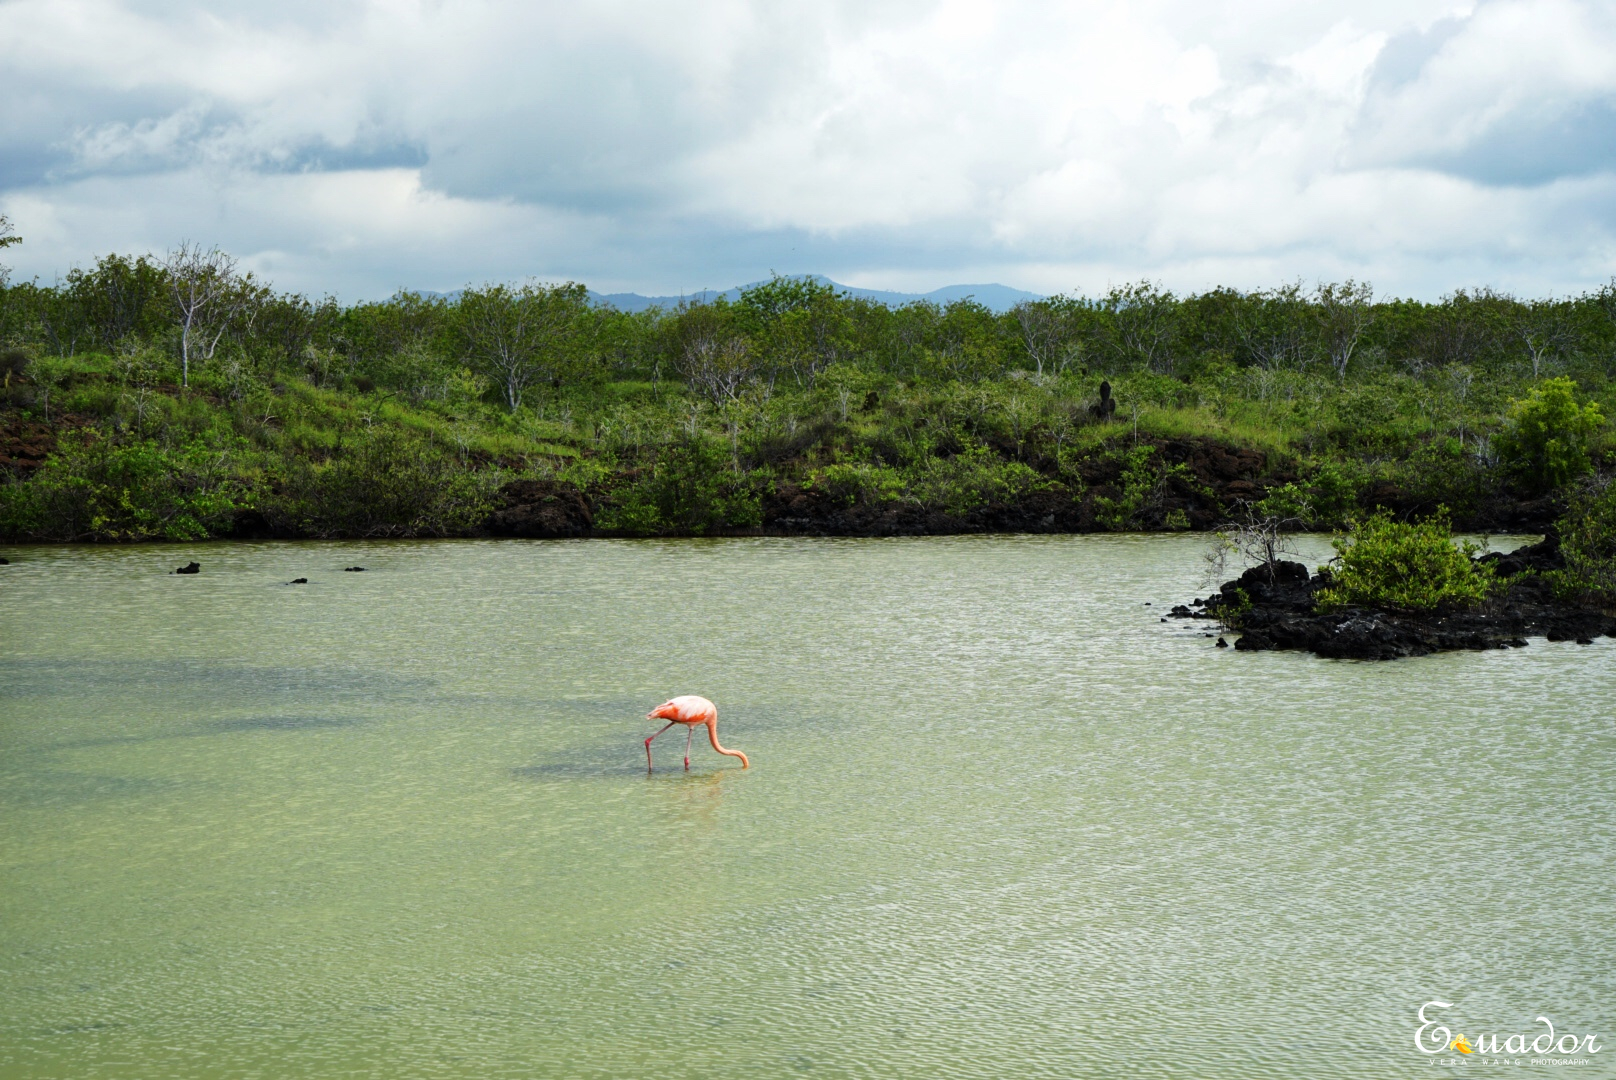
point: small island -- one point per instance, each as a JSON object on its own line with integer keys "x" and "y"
{"x": 1399, "y": 589}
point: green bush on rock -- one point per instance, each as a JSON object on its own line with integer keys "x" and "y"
{"x": 1402, "y": 566}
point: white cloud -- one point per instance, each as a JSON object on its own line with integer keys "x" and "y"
{"x": 359, "y": 146}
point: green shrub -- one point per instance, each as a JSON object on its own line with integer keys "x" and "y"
{"x": 1144, "y": 484}
{"x": 1545, "y": 438}
{"x": 972, "y": 478}
{"x": 692, "y": 488}
{"x": 1442, "y": 472}
{"x": 95, "y": 488}
{"x": 1366, "y": 419}
{"x": 1400, "y": 566}
{"x": 1326, "y": 499}
{"x": 1588, "y": 541}
{"x": 1289, "y": 503}
{"x": 1333, "y": 495}
{"x": 851, "y": 484}
{"x": 386, "y": 484}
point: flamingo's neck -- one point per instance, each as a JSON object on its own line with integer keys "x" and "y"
{"x": 712, "y": 736}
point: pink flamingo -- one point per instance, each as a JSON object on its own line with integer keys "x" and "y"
{"x": 690, "y": 710}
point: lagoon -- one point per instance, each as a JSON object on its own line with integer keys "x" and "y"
{"x": 1001, "y": 820}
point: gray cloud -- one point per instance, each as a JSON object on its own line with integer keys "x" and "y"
{"x": 359, "y": 147}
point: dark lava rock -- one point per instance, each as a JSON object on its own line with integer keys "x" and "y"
{"x": 1106, "y": 407}
{"x": 5, "y": 562}
{"x": 540, "y": 509}
{"x": 1222, "y": 644}
{"x": 190, "y": 568}
{"x": 1282, "y": 614}
{"x": 1585, "y": 641}
{"x": 1535, "y": 558}
{"x": 1285, "y": 586}
{"x": 298, "y": 581}
{"x": 253, "y": 525}
{"x": 353, "y": 569}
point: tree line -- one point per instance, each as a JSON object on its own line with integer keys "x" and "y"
{"x": 197, "y": 306}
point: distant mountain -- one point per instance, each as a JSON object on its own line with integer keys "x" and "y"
{"x": 993, "y": 297}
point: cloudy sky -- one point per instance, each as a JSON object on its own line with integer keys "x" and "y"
{"x": 357, "y": 147}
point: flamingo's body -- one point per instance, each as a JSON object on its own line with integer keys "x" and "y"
{"x": 690, "y": 710}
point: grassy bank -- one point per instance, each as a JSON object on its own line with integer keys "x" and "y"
{"x": 793, "y": 410}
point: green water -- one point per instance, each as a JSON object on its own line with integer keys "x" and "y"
{"x": 1001, "y": 820}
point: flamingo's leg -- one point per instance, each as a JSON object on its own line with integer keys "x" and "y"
{"x": 648, "y": 747}
{"x": 690, "y": 733}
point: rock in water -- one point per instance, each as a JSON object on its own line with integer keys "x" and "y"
{"x": 298, "y": 581}
{"x": 190, "y": 568}
{"x": 353, "y": 569}
{"x": 1253, "y": 641}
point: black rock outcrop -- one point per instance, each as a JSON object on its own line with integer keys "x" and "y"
{"x": 540, "y": 509}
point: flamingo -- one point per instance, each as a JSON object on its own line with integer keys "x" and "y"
{"x": 690, "y": 710}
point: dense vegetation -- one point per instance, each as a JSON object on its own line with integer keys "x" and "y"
{"x": 177, "y": 398}
{"x": 1588, "y": 539}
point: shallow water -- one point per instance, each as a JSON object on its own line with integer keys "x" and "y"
{"x": 1001, "y": 820}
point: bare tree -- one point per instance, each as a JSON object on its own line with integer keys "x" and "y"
{"x": 1257, "y": 541}
{"x": 1143, "y": 320}
{"x": 717, "y": 365}
{"x": 1273, "y": 328}
{"x": 47, "y": 376}
{"x": 206, "y": 294}
{"x": 1040, "y": 332}
{"x": 1541, "y": 326}
{"x": 1344, "y": 312}
{"x": 521, "y": 336}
